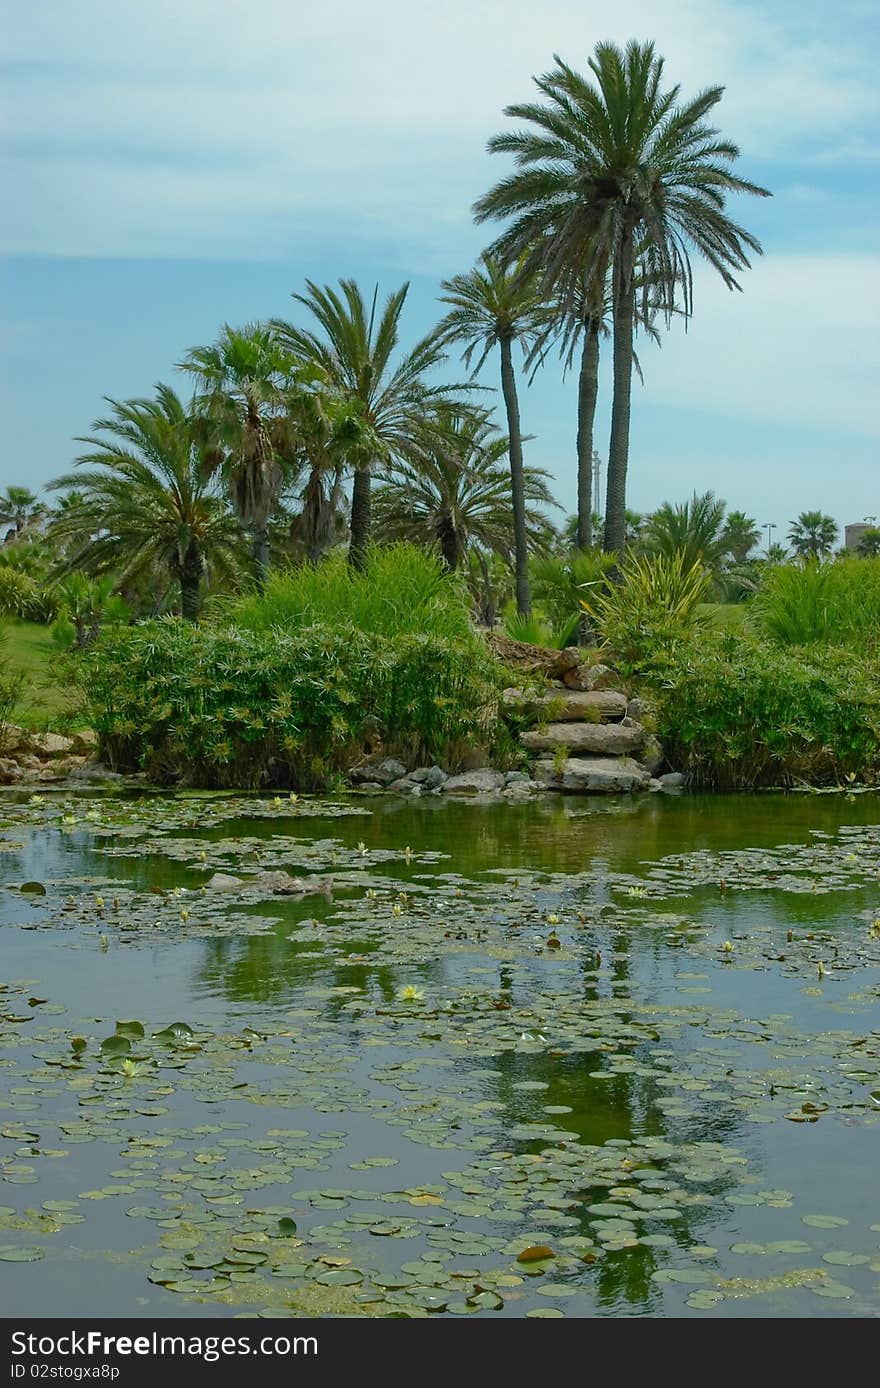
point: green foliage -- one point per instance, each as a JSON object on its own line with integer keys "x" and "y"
{"x": 11, "y": 687}
{"x": 243, "y": 708}
{"x": 695, "y": 528}
{"x": 84, "y": 606}
{"x": 837, "y": 603}
{"x": 737, "y": 715}
{"x": 22, "y": 595}
{"x": 561, "y": 582}
{"x": 654, "y": 604}
{"x": 403, "y": 591}
{"x": 535, "y": 631}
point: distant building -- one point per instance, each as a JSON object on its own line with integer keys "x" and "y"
{"x": 854, "y": 534}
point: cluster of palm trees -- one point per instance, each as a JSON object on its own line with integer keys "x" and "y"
{"x": 617, "y": 183}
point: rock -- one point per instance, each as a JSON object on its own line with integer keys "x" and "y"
{"x": 578, "y": 678}
{"x": 28, "y": 761}
{"x": 640, "y": 709}
{"x": 69, "y": 766}
{"x": 48, "y": 745}
{"x": 484, "y": 781}
{"x": 603, "y": 677}
{"x": 609, "y": 739}
{"x": 10, "y": 772}
{"x": 435, "y": 778}
{"x": 516, "y": 778}
{"x": 598, "y": 775}
{"x": 84, "y": 741}
{"x": 96, "y": 771}
{"x": 569, "y": 705}
{"x": 405, "y": 785}
{"x": 275, "y": 883}
{"x": 673, "y": 780}
{"x": 567, "y": 659}
{"x": 13, "y": 739}
{"x": 654, "y": 784}
{"x": 651, "y": 755}
{"x": 517, "y": 790}
{"x": 384, "y": 772}
{"x": 223, "y": 882}
{"x": 370, "y": 785}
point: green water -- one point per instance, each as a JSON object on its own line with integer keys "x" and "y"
{"x": 641, "y": 1033}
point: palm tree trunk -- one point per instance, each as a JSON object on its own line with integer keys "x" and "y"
{"x": 517, "y": 488}
{"x": 449, "y": 546}
{"x": 588, "y": 390}
{"x": 260, "y": 552}
{"x": 360, "y": 520}
{"x": 488, "y": 613}
{"x": 618, "y": 448}
{"x": 190, "y": 579}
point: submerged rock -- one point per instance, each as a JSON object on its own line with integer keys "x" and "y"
{"x": 485, "y": 781}
{"x": 608, "y": 775}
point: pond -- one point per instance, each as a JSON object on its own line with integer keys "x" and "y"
{"x": 558, "y": 1058}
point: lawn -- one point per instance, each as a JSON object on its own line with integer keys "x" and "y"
{"x": 726, "y": 616}
{"x": 29, "y": 647}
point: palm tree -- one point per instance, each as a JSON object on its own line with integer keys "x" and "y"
{"x": 696, "y": 529}
{"x": 20, "y": 508}
{"x": 143, "y": 502}
{"x": 453, "y": 492}
{"x": 248, "y": 386}
{"x": 601, "y": 167}
{"x": 813, "y": 534}
{"x": 495, "y": 306}
{"x": 740, "y": 535}
{"x": 869, "y": 544}
{"x": 354, "y": 354}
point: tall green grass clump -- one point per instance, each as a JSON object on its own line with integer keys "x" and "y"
{"x": 654, "y": 604}
{"x": 820, "y": 604}
{"x": 736, "y": 714}
{"x": 232, "y": 707}
{"x": 402, "y": 591}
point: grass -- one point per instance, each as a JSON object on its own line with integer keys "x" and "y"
{"x": 725, "y": 616}
{"x": 28, "y": 647}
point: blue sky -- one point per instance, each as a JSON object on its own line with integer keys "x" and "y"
{"x": 172, "y": 165}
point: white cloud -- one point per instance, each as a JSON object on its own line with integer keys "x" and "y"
{"x": 217, "y": 127}
{"x": 798, "y": 345}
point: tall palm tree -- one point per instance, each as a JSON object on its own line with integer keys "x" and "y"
{"x": 143, "y": 502}
{"x": 246, "y": 387}
{"x": 354, "y": 350}
{"x": 740, "y": 535}
{"x": 453, "y": 492}
{"x": 493, "y": 305}
{"x": 20, "y": 508}
{"x": 603, "y": 165}
{"x": 813, "y": 534}
{"x": 696, "y": 529}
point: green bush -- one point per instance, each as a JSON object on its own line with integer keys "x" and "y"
{"x": 537, "y": 632}
{"x": 736, "y": 715}
{"x": 244, "y": 708}
{"x": 22, "y": 595}
{"x": 12, "y": 684}
{"x": 836, "y": 604}
{"x": 403, "y": 591}
{"x": 652, "y": 606}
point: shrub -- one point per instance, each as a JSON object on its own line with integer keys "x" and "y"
{"x": 22, "y": 595}
{"x": 560, "y": 583}
{"x": 653, "y": 605}
{"x": 11, "y": 687}
{"x": 403, "y": 591}
{"x": 837, "y": 603}
{"x": 535, "y": 631}
{"x": 245, "y": 708}
{"x": 735, "y": 715}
